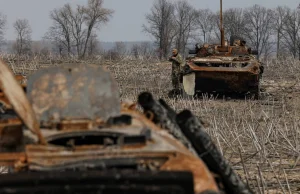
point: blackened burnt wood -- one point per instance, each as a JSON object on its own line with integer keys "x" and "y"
{"x": 171, "y": 113}
{"x": 163, "y": 116}
{"x": 207, "y": 150}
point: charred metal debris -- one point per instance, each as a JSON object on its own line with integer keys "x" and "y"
{"x": 230, "y": 66}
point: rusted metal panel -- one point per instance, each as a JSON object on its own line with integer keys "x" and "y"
{"x": 222, "y": 59}
{"x": 11, "y": 132}
{"x": 17, "y": 98}
{"x": 203, "y": 179}
{"x": 53, "y": 156}
{"x": 73, "y": 92}
{"x": 69, "y": 125}
{"x": 9, "y": 159}
{"x": 251, "y": 68}
{"x": 167, "y": 137}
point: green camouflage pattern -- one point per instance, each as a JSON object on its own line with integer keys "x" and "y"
{"x": 177, "y": 65}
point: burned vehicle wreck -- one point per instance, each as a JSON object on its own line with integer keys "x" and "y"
{"x": 228, "y": 67}
{"x": 222, "y": 69}
{"x": 70, "y": 133}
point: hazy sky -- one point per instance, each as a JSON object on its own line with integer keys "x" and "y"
{"x": 127, "y": 19}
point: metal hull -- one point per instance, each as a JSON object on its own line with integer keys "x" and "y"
{"x": 221, "y": 79}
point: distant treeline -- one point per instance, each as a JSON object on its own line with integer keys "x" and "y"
{"x": 74, "y": 31}
{"x": 270, "y": 31}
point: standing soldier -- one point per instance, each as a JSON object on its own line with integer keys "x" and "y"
{"x": 177, "y": 62}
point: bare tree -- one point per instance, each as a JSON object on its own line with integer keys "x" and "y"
{"x": 36, "y": 47}
{"x": 95, "y": 15}
{"x": 94, "y": 45}
{"x": 60, "y": 32}
{"x": 258, "y": 28}
{"x": 2, "y": 27}
{"x": 45, "y": 51}
{"x": 291, "y": 32}
{"x": 75, "y": 21}
{"x": 23, "y": 31}
{"x": 117, "y": 52}
{"x": 234, "y": 22}
{"x": 205, "y": 23}
{"x": 74, "y": 28}
{"x": 185, "y": 20}
{"x": 141, "y": 50}
{"x": 280, "y": 17}
{"x": 135, "y": 51}
{"x": 161, "y": 26}
{"x": 146, "y": 49}
{"x": 120, "y": 49}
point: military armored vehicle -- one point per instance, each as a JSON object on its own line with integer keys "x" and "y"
{"x": 68, "y": 132}
{"x": 228, "y": 67}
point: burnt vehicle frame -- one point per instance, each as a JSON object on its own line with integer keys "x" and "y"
{"x": 222, "y": 68}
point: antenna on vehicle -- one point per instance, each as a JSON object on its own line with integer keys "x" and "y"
{"x": 221, "y": 25}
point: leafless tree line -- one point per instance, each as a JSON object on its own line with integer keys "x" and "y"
{"x": 23, "y": 32}
{"x": 120, "y": 50}
{"x": 23, "y": 40}
{"x": 2, "y": 27}
{"x": 269, "y": 31}
{"x": 74, "y": 29}
{"x": 171, "y": 23}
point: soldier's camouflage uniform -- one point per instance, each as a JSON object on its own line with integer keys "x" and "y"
{"x": 176, "y": 69}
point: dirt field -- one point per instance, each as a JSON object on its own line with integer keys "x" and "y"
{"x": 261, "y": 139}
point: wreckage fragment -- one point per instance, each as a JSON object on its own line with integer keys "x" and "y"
{"x": 17, "y": 98}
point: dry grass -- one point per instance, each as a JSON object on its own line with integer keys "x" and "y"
{"x": 261, "y": 139}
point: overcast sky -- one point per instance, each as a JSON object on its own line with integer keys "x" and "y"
{"x": 127, "y": 19}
